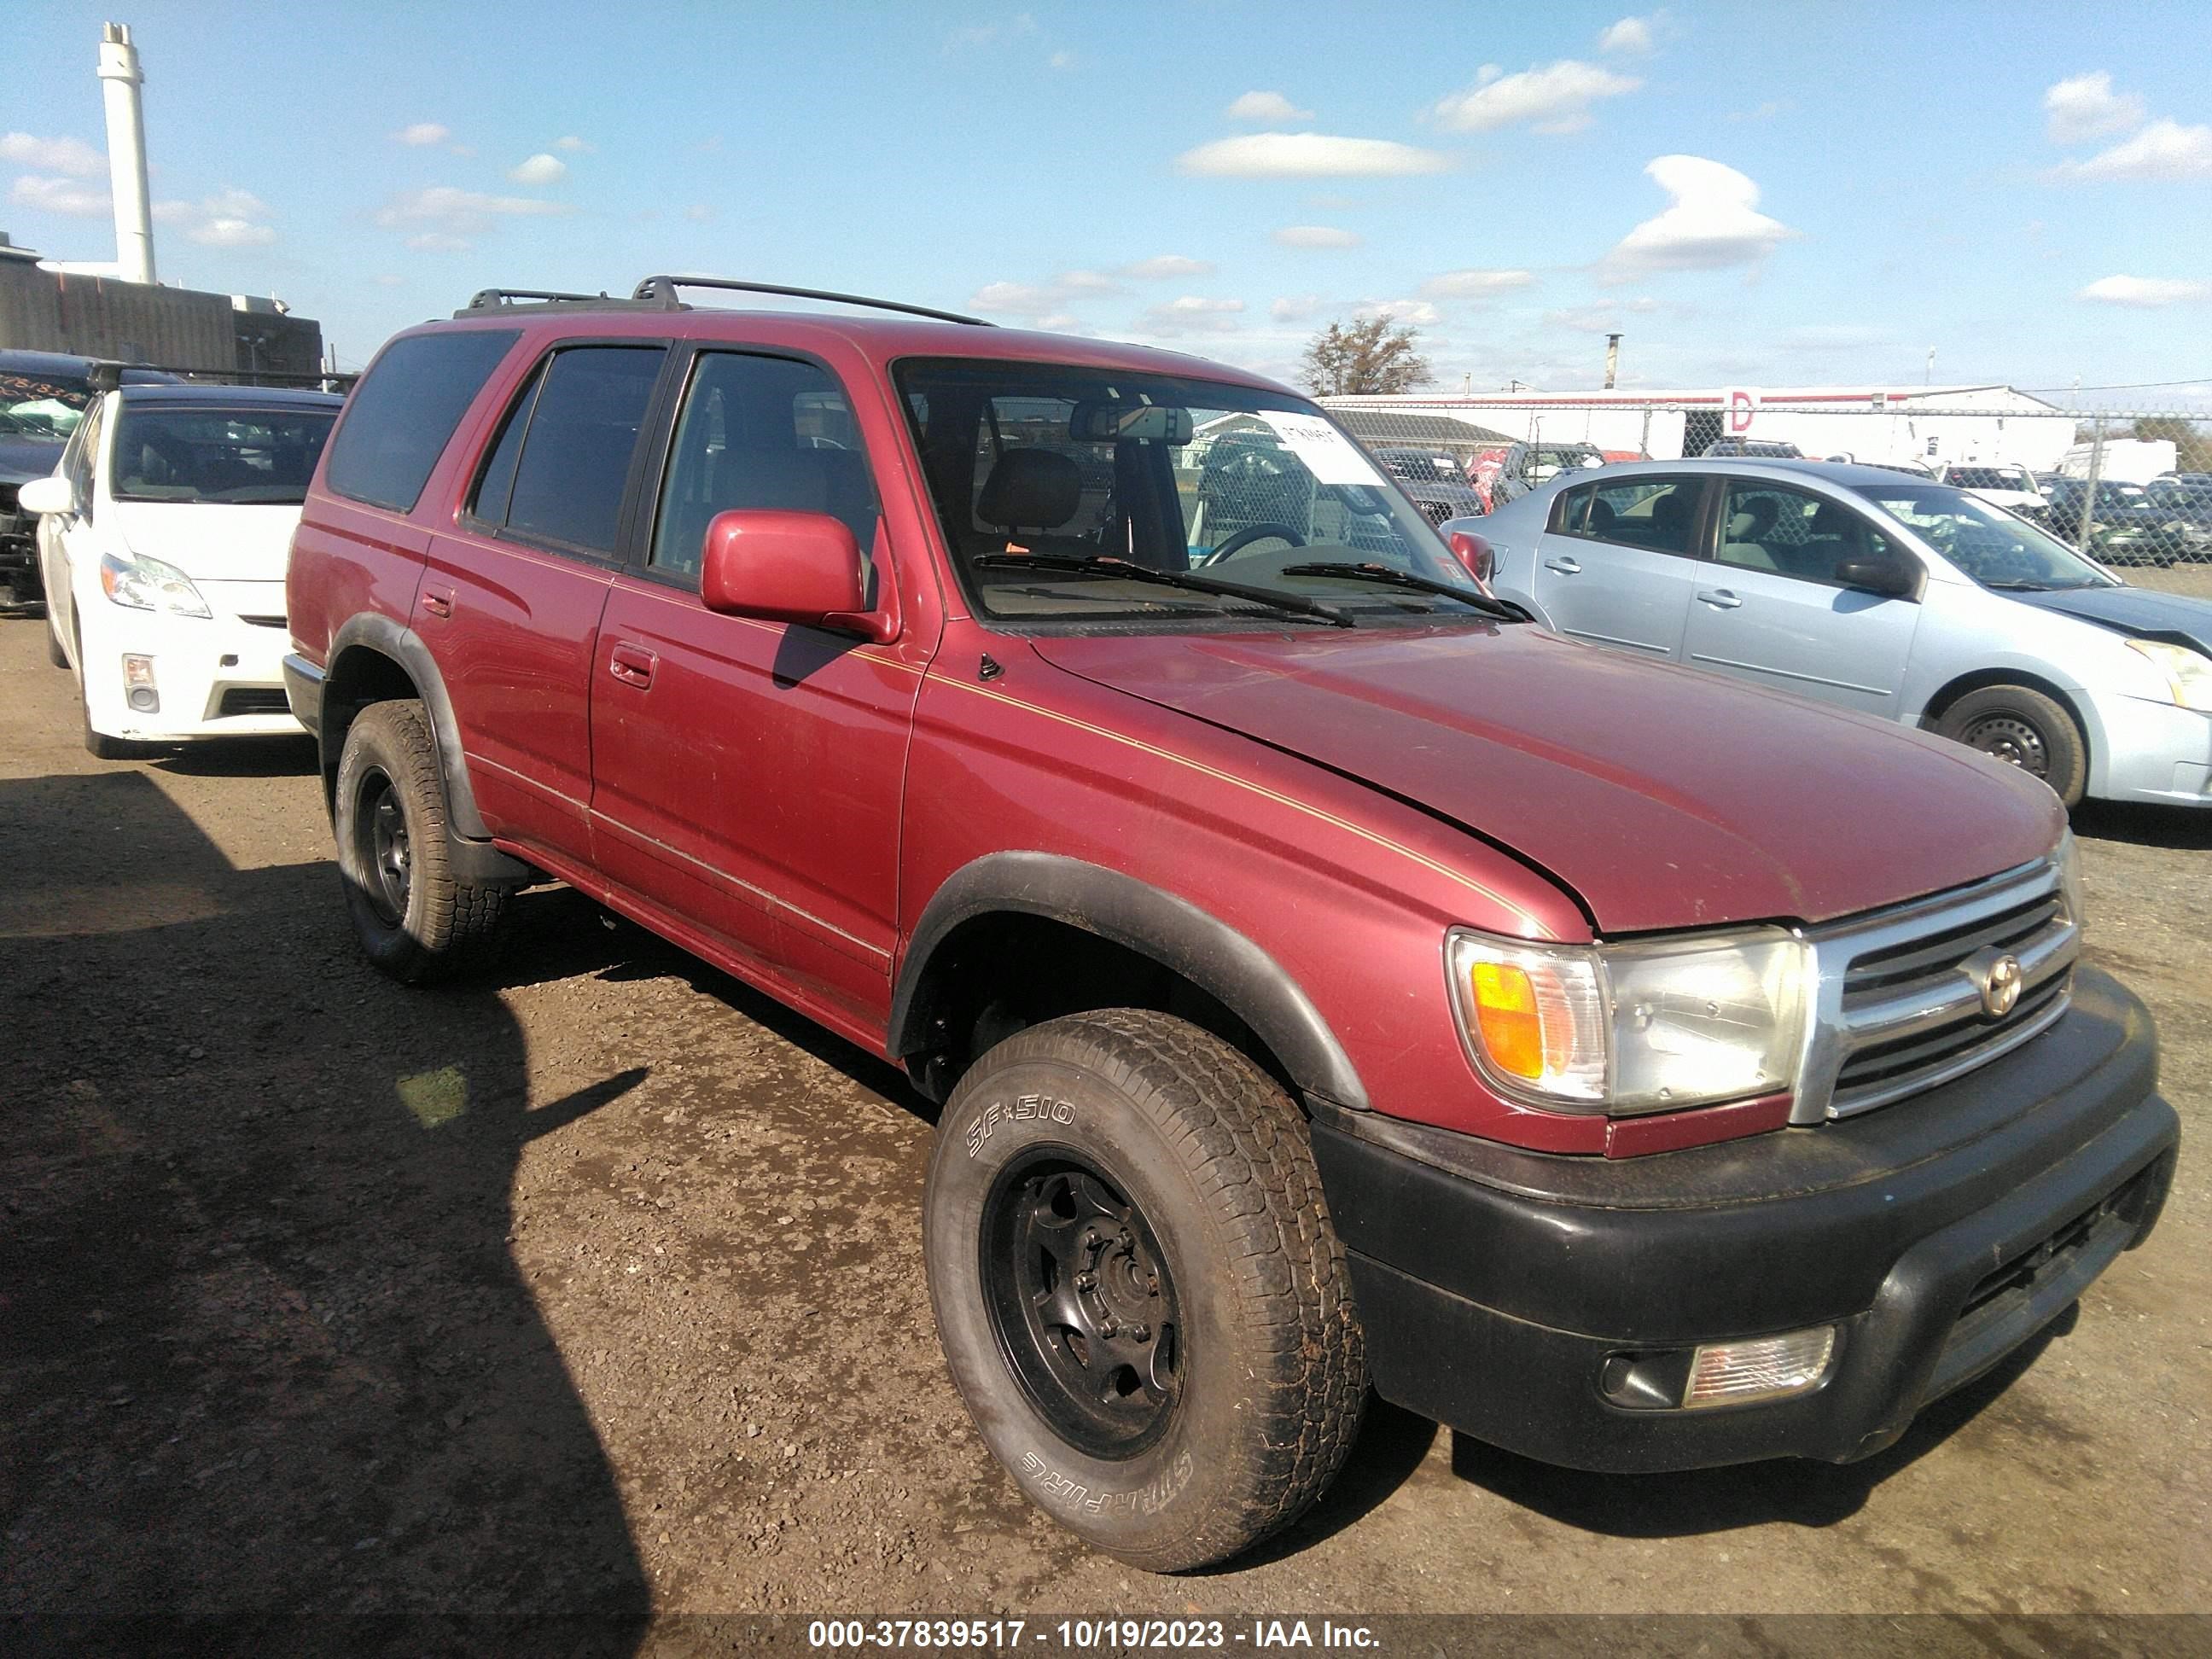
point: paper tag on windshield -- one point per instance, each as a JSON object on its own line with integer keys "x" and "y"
{"x": 1331, "y": 457}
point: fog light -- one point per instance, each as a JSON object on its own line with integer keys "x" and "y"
{"x": 1763, "y": 1367}
{"x": 138, "y": 681}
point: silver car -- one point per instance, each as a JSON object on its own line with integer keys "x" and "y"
{"x": 1882, "y": 592}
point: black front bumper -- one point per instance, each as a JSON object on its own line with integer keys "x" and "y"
{"x": 1936, "y": 1235}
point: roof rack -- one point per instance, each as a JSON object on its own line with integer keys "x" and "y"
{"x": 497, "y": 299}
{"x": 662, "y": 289}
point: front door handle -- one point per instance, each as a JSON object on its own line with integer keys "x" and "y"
{"x": 1564, "y": 566}
{"x": 1720, "y": 598}
{"x": 439, "y": 601}
{"x": 631, "y": 664}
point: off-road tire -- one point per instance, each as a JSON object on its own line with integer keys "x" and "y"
{"x": 1212, "y": 1153}
{"x": 2025, "y": 726}
{"x": 434, "y": 924}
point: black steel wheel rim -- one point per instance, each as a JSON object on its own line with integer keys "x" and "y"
{"x": 380, "y": 840}
{"x": 1082, "y": 1302}
{"x": 2013, "y": 740}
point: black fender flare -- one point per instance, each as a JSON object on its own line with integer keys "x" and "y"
{"x": 1171, "y": 930}
{"x": 466, "y": 833}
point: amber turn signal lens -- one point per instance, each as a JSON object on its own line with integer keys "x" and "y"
{"x": 1505, "y": 1013}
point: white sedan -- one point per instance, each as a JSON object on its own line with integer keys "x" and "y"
{"x": 163, "y": 536}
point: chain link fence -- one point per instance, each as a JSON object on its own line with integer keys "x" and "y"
{"x": 2127, "y": 485}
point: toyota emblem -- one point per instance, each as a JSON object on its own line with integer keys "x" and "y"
{"x": 2001, "y": 987}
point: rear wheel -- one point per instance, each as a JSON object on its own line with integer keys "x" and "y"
{"x": 1138, "y": 1288}
{"x": 414, "y": 919}
{"x": 2023, "y": 728}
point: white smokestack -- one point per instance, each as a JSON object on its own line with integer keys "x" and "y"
{"x": 126, "y": 153}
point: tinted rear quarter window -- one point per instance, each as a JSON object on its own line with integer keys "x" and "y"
{"x": 403, "y": 412}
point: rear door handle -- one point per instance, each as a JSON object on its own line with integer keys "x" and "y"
{"x": 437, "y": 602}
{"x": 1720, "y": 598}
{"x": 1564, "y": 566}
{"x": 631, "y": 664}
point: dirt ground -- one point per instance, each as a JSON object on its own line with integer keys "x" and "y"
{"x": 593, "y": 1286}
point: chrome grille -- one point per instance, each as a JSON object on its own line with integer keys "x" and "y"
{"x": 1898, "y": 997}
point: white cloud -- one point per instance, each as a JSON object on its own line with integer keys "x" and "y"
{"x": 66, "y": 196}
{"x": 448, "y": 218}
{"x": 1162, "y": 265}
{"x": 1309, "y": 156}
{"x": 1192, "y": 314}
{"x": 387, "y": 280}
{"x": 1037, "y": 301}
{"x": 2145, "y": 292}
{"x": 1316, "y": 236}
{"x": 2085, "y": 106}
{"x": 1631, "y": 35}
{"x": 1552, "y": 98}
{"x": 72, "y": 157}
{"x": 573, "y": 145}
{"x": 1418, "y": 313}
{"x": 984, "y": 34}
{"x": 1265, "y": 107}
{"x": 1059, "y": 322}
{"x": 1085, "y": 282}
{"x": 2164, "y": 150}
{"x": 539, "y": 169}
{"x": 1713, "y": 222}
{"x": 698, "y": 213}
{"x": 423, "y": 134}
{"x": 1604, "y": 317}
{"x": 1060, "y": 60}
{"x": 1294, "y": 308}
{"x": 1474, "y": 284}
{"x": 231, "y": 218}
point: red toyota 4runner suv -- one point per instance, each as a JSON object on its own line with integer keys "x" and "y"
{"x": 1330, "y": 980}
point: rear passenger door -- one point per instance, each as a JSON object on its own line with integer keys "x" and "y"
{"x": 511, "y": 598}
{"x": 1617, "y": 564}
{"x": 746, "y": 773}
{"x": 1769, "y": 607}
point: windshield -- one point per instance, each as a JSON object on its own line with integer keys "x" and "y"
{"x": 42, "y": 407}
{"x": 1995, "y": 548}
{"x": 1054, "y": 462}
{"x": 202, "y": 453}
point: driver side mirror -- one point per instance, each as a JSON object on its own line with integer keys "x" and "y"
{"x": 788, "y": 567}
{"x": 1477, "y": 554}
{"x": 1883, "y": 574}
{"x": 52, "y": 494}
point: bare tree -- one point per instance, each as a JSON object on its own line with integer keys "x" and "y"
{"x": 1364, "y": 358}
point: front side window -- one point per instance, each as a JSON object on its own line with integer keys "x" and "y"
{"x": 1035, "y": 467}
{"x": 1659, "y": 516}
{"x": 1995, "y": 548}
{"x": 240, "y": 455}
{"x": 760, "y": 433}
{"x": 400, "y": 418}
{"x": 1791, "y": 532}
{"x": 577, "y": 445}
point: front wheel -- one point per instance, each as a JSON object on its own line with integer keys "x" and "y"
{"x": 415, "y": 921}
{"x": 1137, "y": 1287}
{"x": 2023, "y": 728}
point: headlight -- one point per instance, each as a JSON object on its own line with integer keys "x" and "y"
{"x": 1639, "y": 1027}
{"x": 2188, "y": 673}
{"x": 145, "y": 584}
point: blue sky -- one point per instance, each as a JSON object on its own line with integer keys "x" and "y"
{"x": 1772, "y": 194}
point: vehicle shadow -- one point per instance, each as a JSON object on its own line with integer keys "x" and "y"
{"x": 243, "y": 758}
{"x": 1700, "y": 1501}
{"x": 265, "y": 1352}
{"x": 2144, "y": 824}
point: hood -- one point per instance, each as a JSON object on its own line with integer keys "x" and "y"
{"x": 1663, "y": 797}
{"x": 24, "y": 458}
{"x": 2136, "y": 611}
{"x": 210, "y": 541}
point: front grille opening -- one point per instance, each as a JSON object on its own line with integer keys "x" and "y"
{"x": 1940, "y": 952}
{"x": 253, "y": 700}
{"x": 1885, "y": 1062}
{"x": 2020, "y": 1272}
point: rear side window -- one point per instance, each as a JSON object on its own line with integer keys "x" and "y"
{"x": 404, "y": 410}
{"x": 578, "y": 437}
{"x": 1657, "y": 515}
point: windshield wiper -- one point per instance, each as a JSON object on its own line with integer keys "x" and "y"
{"x": 1101, "y": 564}
{"x": 1503, "y": 610}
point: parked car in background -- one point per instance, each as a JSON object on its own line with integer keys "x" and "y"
{"x": 43, "y": 396}
{"x": 1915, "y": 601}
{"x": 163, "y": 538}
{"x": 1774, "y": 449}
{"x": 1434, "y": 481}
{"x": 2011, "y": 488}
{"x": 1501, "y": 473}
{"x": 1306, "y": 950}
{"x": 2185, "y": 501}
{"x": 2128, "y": 527}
